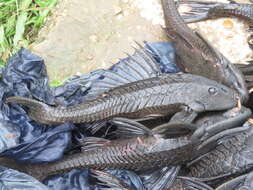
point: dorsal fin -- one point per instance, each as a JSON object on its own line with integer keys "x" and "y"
{"x": 139, "y": 66}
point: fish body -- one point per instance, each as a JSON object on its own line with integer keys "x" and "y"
{"x": 159, "y": 96}
{"x": 233, "y": 156}
{"x": 195, "y": 55}
{"x": 238, "y": 183}
{"x": 241, "y": 182}
{"x": 147, "y": 152}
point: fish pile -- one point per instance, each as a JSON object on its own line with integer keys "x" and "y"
{"x": 191, "y": 129}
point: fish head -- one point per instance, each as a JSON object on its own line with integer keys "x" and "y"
{"x": 214, "y": 97}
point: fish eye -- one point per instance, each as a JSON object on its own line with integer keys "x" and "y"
{"x": 212, "y": 91}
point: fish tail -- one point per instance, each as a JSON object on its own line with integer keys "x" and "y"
{"x": 26, "y": 168}
{"x": 30, "y": 103}
{"x": 196, "y": 10}
{"x": 10, "y": 163}
{"x": 37, "y": 110}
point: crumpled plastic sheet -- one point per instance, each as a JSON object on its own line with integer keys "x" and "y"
{"x": 28, "y": 141}
{"x": 43, "y": 148}
{"x": 81, "y": 180}
{"x": 25, "y": 75}
{"x": 11, "y": 179}
{"x": 9, "y": 135}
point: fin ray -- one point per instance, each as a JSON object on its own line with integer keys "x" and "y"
{"x": 92, "y": 143}
{"x": 127, "y": 128}
{"x": 139, "y": 66}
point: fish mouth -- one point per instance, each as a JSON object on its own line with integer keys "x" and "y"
{"x": 243, "y": 96}
{"x": 236, "y": 81}
{"x": 198, "y": 106}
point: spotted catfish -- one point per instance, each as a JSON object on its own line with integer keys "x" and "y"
{"x": 195, "y": 55}
{"x": 139, "y": 91}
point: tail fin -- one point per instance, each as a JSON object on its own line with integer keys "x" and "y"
{"x": 30, "y": 103}
{"x": 196, "y": 10}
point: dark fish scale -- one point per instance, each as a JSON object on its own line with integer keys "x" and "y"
{"x": 134, "y": 154}
{"x": 144, "y": 152}
{"x": 221, "y": 160}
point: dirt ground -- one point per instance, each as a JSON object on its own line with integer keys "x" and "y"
{"x": 81, "y": 36}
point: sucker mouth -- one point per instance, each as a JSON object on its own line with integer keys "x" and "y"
{"x": 243, "y": 95}
{"x": 239, "y": 104}
{"x": 203, "y": 106}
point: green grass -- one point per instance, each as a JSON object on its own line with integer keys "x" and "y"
{"x": 20, "y": 22}
{"x": 56, "y": 83}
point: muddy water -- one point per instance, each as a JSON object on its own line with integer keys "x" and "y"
{"x": 85, "y": 35}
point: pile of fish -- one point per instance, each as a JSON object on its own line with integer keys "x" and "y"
{"x": 183, "y": 130}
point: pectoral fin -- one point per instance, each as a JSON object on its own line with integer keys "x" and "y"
{"x": 127, "y": 128}
{"x": 92, "y": 143}
{"x": 172, "y": 130}
{"x": 191, "y": 183}
{"x": 112, "y": 182}
{"x": 161, "y": 179}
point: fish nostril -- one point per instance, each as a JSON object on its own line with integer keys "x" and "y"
{"x": 224, "y": 90}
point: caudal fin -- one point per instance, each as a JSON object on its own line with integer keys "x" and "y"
{"x": 196, "y": 10}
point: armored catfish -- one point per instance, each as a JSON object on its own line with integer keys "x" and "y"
{"x": 195, "y": 55}
{"x": 140, "y": 91}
